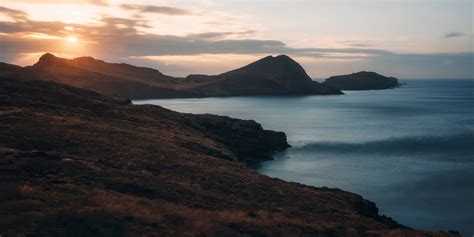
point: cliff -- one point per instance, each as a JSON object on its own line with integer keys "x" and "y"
{"x": 362, "y": 81}
{"x": 75, "y": 162}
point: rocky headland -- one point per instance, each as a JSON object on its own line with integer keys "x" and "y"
{"x": 76, "y": 162}
{"x": 279, "y": 75}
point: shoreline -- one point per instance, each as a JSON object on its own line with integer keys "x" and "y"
{"x": 84, "y": 159}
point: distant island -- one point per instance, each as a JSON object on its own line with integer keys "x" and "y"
{"x": 362, "y": 81}
{"x": 279, "y": 75}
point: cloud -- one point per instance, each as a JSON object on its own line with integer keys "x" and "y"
{"x": 94, "y": 2}
{"x": 119, "y": 37}
{"x": 454, "y": 34}
{"x": 14, "y": 14}
{"x": 222, "y": 35}
{"x": 98, "y": 2}
{"x": 165, "y": 10}
{"x": 361, "y": 45}
{"x": 434, "y": 65}
{"x": 355, "y": 43}
{"x": 404, "y": 66}
{"x": 116, "y": 39}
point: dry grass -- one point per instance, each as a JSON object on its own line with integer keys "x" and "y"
{"x": 75, "y": 162}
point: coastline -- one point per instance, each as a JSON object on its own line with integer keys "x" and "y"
{"x": 79, "y": 148}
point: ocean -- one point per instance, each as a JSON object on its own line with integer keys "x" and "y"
{"x": 409, "y": 149}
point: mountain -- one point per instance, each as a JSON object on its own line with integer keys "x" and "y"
{"x": 76, "y": 162}
{"x": 362, "y": 81}
{"x": 279, "y": 75}
{"x": 122, "y": 80}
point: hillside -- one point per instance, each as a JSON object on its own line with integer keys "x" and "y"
{"x": 269, "y": 76}
{"x": 75, "y": 162}
{"x": 279, "y": 75}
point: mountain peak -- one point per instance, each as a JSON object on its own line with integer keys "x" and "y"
{"x": 46, "y": 59}
{"x": 87, "y": 60}
{"x": 279, "y": 58}
{"x": 47, "y": 55}
{"x": 283, "y": 57}
{"x": 281, "y": 66}
{"x": 49, "y": 59}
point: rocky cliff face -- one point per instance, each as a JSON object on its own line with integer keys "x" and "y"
{"x": 243, "y": 140}
{"x": 75, "y": 162}
{"x": 269, "y": 76}
{"x": 362, "y": 81}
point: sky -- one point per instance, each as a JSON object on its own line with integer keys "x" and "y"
{"x": 408, "y": 39}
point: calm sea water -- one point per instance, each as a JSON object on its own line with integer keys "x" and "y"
{"x": 410, "y": 150}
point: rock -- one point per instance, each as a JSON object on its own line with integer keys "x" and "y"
{"x": 245, "y": 138}
{"x": 362, "y": 81}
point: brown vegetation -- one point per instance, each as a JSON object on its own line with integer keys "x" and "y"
{"x": 74, "y": 162}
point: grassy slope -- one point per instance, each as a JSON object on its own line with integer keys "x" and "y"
{"x": 74, "y": 162}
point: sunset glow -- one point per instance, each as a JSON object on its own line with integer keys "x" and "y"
{"x": 393, "y": 37}
{"x": 71, "y": 39}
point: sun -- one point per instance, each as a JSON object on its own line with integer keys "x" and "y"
{"x": 71, "y": 39}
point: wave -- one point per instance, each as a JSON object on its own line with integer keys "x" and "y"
{"x": 462, "y": 144}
